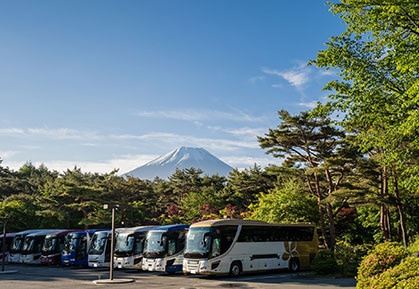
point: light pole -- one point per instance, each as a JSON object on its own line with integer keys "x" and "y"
{"x": 113, "y": 208}
{"x": 3, "y": 247}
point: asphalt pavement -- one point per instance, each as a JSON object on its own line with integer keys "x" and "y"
{"x": 17, "y": 276}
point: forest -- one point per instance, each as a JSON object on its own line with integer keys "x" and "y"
{"x": 351, "y": 164}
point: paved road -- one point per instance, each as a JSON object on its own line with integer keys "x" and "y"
{"x": 37, "y": 277}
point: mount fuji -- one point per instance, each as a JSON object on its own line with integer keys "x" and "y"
{"x": 181, "y": 158}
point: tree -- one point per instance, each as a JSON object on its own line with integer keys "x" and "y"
{"x": 311, "y": 145}
{"x": 376, "y": 59}
{"x": 243, "y": 186}
{"x": 70, "y": 198}
{"x": 288, "y": 202}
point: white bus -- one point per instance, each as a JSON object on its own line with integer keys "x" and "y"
{"x": 32, "y": 247}
{"x": 163, "y": 248}
{"x": 15, "y": 252}
{"x": 99, "y": 254}
{"x": 129, "y": 246}
{"x": 239, "y": 246}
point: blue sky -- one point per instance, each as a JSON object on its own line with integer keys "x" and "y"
{"x": 103, "y": 84}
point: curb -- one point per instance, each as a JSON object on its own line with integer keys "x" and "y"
{"x": 113, "y": 281}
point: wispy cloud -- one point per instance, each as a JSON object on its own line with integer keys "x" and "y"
{"x": 297, "y": 76}
{"x": 247, "y": 132}
{"x": 243, "y": 162}
{"x": 257, "y": 79}
{"x": 11, "y": 131}
{"x": 200, "y": 115}
{"x": 59, "y": 133}
{"x": 309, "y": 105}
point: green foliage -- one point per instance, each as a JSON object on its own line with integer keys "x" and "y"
{"x": 377, "y": 92}
{"x": 348, "y": 257}
{"x": 383, "y": 257}
{"x": 359, "y": 225}
{"x": 244, "y": 186}
{"x": 402, "y": 276}
{"x": 390, "y": 266}
{"x": 414, "y": 246}
{"x": 287, "y": 203}
{"x": 324, "y": 263}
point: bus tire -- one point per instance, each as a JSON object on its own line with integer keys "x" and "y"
{"x": 235, "y": 269}
{"x": 294, "y": 265}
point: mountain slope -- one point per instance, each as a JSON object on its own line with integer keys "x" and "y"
{"x": 181, "y": 158}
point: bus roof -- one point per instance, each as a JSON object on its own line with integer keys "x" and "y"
{"x": 42, "y": 232}
{"x": 224, "y": 222}
{"x": 134, "y": 229}
{"x": 88, "y": 231}
{"x": 171, "y": 227}
{"x": 26, "y": 232}
{"x": 7, "y": 235}
{"x": 62, "y": 232}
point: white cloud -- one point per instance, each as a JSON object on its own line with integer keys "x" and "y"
{"x": 243, "y": 162}
{"x": 328, "y": 72}
{"x": 8, "y": 154}
{"x": 11, "y": 131}
{"x": 257, "y": 79}
{"x": 56, "y": 133}
{"x": 200, "y": 115}
{"x": 298, "y": 76}
{"x": 310, "y": 105}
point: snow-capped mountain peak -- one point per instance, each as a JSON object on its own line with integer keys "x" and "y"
{"x": 181, "y": 158}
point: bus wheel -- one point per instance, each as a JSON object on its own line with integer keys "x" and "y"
{"x": 235, "y": 269}
{"x": 294, "y": 265}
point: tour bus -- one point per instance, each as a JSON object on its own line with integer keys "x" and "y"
{"x": 32, "y": 247}
{"x": 7, "y": 241}
{"x": 76, "y": 247}
{"x": 52, "y": 247}
{"x": 239, "y": 246}
{"x": 99, "y": 254}
{"x": 163, "y": 248}
{"x": 129, "y": 246}
{"x": 15, "y": 252}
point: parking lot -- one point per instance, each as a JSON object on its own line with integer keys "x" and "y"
{"x": 35, "y": 276}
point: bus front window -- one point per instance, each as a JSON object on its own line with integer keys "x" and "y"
{"x": 97, "y": 246}
{"x": 16, "y": 245}
{"x": 198, "y": 243}
{"x": 28, "y": 245}
{"x": 71, "y": 242}
{"x": 49, "y": 244}
{"x": 154, "y": 245}
{"x": 123, "y": 245}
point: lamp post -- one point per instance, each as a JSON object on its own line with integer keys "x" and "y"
{"x": 113, "y": 208}
{"x": 3, "y": 247}
{"x": 111, "y": 279}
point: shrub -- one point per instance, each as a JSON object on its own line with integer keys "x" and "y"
{"x": 414, "y": 247}
{"x": 383, "y": 257}
{"x": 324, "y": 263}
{"x": 349, "y": 257}
{"x": 403, "y": 276}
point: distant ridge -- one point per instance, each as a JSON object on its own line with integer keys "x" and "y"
{"x": 181, "y": 158}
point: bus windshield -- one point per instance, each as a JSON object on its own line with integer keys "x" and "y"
{"x": 198, "y": 242}
{"x": 155, "y": 244}
{"x": 71, "y": 242}
{"x": 97, "y": 246}
{"x": 17, "y": 244}
{"x": 49, "y": 244}
{"x": 28, "y": 244}
{"x": 124, "y": 243}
